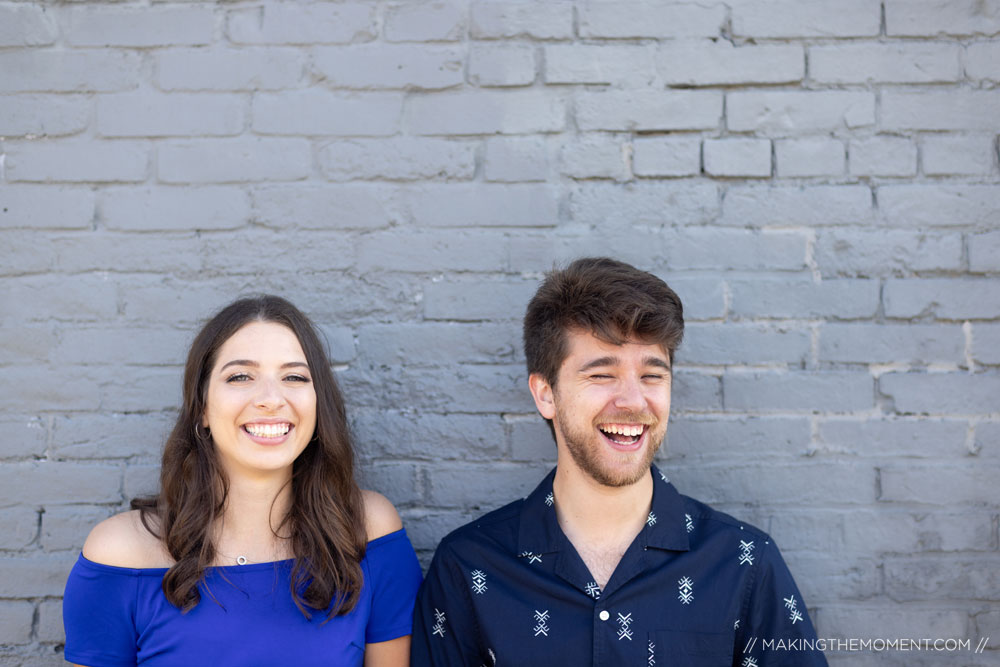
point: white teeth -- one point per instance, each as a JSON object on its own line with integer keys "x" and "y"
{"x": 268, "y": 430}
{"x": 622, "y": 430}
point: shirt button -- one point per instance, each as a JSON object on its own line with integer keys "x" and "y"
{"x": 604, "y": 615}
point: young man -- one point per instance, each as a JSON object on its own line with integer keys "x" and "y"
{"x": 605, "y": 563}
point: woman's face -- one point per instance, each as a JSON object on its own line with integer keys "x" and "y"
{"x": 261, "y": 403}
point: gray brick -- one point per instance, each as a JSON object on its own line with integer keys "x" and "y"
{"x": 234, "y": 160}
{"x": 878, "y": 252}
{"x": 809, "y": 156}
{"x": 138, "y": 253}
{"x": 399, "y": 481}
{"x": 23, "y": 436}
{"x": 986, "y": 624}
{"x": 52, "y": 298}
{"x": 339, "y": 342}
{"x": 441, "y": 250}
{"x": 766, "y": 205}
{"x": 230, "y": 69}
{"x": 933, "y": 17}
{"x": 551, "y": 20}
{"x": 484, "y": 205}
{"x": 986, "y": 343}
{"x": 26, "y": 26}
{"x": 359, "y": 206}
{"x": 797, "y": 111}
{"x": 883, "y": 156}
{"x": 501, "y": 64}
{"x": 67, "y": 527}
{"x": 142, "y": 114}
{"x": 531, "y": 440}
{"x": 314, "y": 23}
{"x": 398, "y": 158}
{"x": 933, "y": 205}
{"x": 438, "y": 343}
{"x": 526, "y": 251}
{"x": 666, "y": 156}
{"x": 32, "y": 248}
{"x": 69, "y": 70}
{"x": 942, "y": 393}
{"x": 934, "y": 578}
{"x": 16, "y": 618}
{"x": 897, "y": 438}
{"x": 987, "y": 440}
{"x": 141, "y": 480}
{"x": 981, "y": 61}
{"x": 142, "y": 390}
{"x": 378, "y": 66}
{"x": 787, "y": 18}
{"x": 173, "y": 208}
{"x": 153, "y": 300}
{"x": 886, "y": 343}
{"x": 487, "y": 112}
{"x": 606, "y": 19}
{"x": 737, "y": 157}
{"x": 78, "y": 161}
{"x": 691, "y": 438}
{"x": 426, "y": 528}
{"x": 806, "y": 483}
{"x": 694, "y": 392}
{"x": 902, "y": 532}
{"x": 648, "y": 110}
{"x": 935, "y": 109}
{"x": 138, "y": 26}
{"x": 824, "y": 391}
{"x": 944, "y": 298}
{"x": 26, "y": 343}
{"x": 710, "y": 62}
{"x": 797, "y": 298}
{"x": 37, "y": 575}
{"x": 513, "y": 159}
{"x": 43, "y": 115}
{"x": 57, "y": 483}
{"x": 429, "y": 436}
{"x": 645, "y": 203}
{"x": 45, "y": 206}
{"x": 488, "y": 486}
{"x": 597, "y": 156}
{"x": 745, "y": 344}
{"x": 127, "y": 346}
{"x": 704, "y": 297}
{"x": 897, "y": 62}
{"x": 744, "y": 249}
{"x": 945, "y": 155}
{"x": 812, "y": 529}
{"x": 984, "y": 251}
{"x": 639, "y": 245}
{"x": 322, "y": 112}
{"x": 50, "y": 622}
{"x": 482, "y": 300}
{"x": 836, "y": 580}
{"x": 425, "y": 21}
{"x": 622, "y": 65}
{"x": 18, "y": 528}
{"x": 891, "y": 620}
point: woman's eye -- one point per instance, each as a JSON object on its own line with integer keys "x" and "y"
{"x": 297, "y": 378}
{"x": 238, "y": 377}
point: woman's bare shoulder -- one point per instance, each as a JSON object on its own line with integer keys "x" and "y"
{"x": 123, "y": 541}
{"x": 381, "y": 518}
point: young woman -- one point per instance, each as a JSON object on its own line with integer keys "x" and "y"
{"x": 260, "y": 548}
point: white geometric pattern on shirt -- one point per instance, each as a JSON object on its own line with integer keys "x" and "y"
{"x": 540, "y": 627}
{"x": 651, "y": 519}
{"x": 624, "y": 620}
{"x": 748, "y": 662}
{"x": 493, "y": 656}
{"x": 532, "y": 557}
{"x": 794, "y": 614}
{"x": 593, "y": 590}
{"x": 652, "y": 660}
{"x": 664, "y": 477}
{"x": 745, "y": 549}
{"x": 438, "y": 627}
{"x": 736, "y": 625}
{"x": 685, "y": 587}
{"x": 549, "y": 499}
{"x": 478, "y": 582}
{"x": 688, "y": 523}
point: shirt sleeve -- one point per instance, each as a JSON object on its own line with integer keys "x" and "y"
{"x": 395, "y": 578}
{"x": 99, "y": 615}
{"x": 778, "y": 630}
{"x": 445, "y": 630}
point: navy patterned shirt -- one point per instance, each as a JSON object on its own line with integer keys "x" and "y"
{"x": 696, "y": 587}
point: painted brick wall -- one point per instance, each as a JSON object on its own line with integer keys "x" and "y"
{"x": 818, "y": 180}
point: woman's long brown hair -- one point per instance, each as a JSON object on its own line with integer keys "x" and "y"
{"x": 326, "y": 518}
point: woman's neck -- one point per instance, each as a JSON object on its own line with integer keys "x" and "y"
{"x": 250, "y": 528}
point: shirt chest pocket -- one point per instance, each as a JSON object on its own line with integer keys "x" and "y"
{"x": 683, "y": 648}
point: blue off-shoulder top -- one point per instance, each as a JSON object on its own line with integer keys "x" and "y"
{"x": 119, "y": 616}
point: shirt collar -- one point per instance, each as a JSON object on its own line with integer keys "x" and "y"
{"x": 666, "y": 528}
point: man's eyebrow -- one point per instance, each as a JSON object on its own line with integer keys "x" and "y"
{"x": 656, "y": 361}
{"x": 601, "y": 361}
{"x": 254, "y": 364}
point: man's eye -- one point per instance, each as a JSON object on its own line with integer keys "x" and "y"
{"x": 600, "y": 376}
{"x": 238, "y": 377}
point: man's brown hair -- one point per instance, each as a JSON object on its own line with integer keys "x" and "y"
{"x": 614, "y": 301}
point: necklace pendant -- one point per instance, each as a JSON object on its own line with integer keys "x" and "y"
{"x": 241, "y": 560}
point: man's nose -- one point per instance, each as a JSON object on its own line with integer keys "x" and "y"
{"x": 630, "y": 396}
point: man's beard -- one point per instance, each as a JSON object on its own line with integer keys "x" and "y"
{"x": 585, "y": 449}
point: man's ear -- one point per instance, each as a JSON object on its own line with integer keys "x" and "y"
{"x": 541, "y": 390}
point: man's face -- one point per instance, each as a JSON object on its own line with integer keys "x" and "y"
{"x": 609, "y": 407}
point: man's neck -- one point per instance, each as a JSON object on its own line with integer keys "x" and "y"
{"x": 600, "y": 521}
